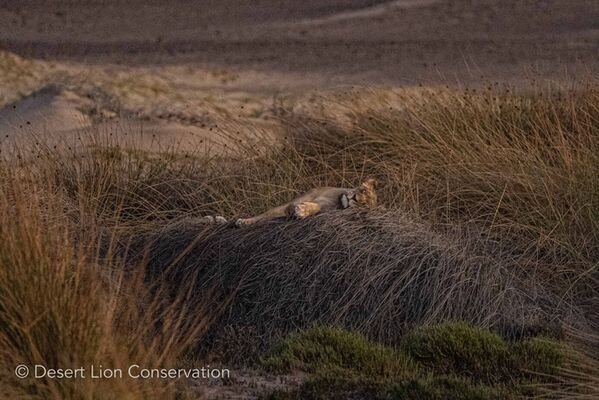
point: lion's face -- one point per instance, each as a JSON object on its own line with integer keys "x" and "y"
{"x": 362, "y": 196}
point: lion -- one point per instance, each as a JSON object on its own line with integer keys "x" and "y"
{"x": 319, "y": 200}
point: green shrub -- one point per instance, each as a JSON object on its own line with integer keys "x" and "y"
{"x": 325, "y": 349}
{"x": 462, "y": 349}
{"x": 470, "y": 351}
{"x": 461, "y": 362}
{"x": 540, "y": 355}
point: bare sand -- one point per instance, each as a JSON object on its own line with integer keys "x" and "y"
{"x": 183, "y": 70}
{"x": 341, "y": 41}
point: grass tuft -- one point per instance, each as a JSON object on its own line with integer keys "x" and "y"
{"x": 324, "y": 349}
{"x": 476, "y": 353}
{"x": 460, "y": 348}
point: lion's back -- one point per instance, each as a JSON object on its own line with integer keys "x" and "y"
{"x": 326, "y": 197}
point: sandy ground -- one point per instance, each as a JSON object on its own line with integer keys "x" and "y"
{"x": 180, "y": 71}
{"x": 161, "y": 106}
{"x": 246, "y": 384}
{"x": 340, "y": 41}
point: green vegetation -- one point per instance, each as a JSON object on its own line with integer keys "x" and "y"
{"x": 463, "y": 349}
{"x": 540, "y": 355}
{"x": 460, "y": 348}
{"x": 323, "y": 349}
{"x": 445, "y": 361}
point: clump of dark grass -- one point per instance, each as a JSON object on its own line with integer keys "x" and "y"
{"x": 341, "y": 364}
{"x": 540, "y": 356}
{"x": 460, "y": 348}
{"x": 377, "y": 272}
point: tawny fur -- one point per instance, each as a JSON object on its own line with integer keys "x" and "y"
{"x": 319, "y": 200}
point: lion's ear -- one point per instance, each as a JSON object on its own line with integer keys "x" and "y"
{"x": 370, "y": 183}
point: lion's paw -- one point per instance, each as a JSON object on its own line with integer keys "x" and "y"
{"x": 220, "y": 220}
{"x": 243, "y": 222}
{"x": 208, "y": 219}
{"x": 303, "y": 210}
{"x": 212, "y": 220}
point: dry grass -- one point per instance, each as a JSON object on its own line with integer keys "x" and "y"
{"x": 62, "y": 306}
{"x": 492, "y": 217}
{"x": 377, "y": 272}
{"x": 524, "y": 168}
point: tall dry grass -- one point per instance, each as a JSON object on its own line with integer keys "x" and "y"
{"x": 64, "y": 306}
{"x": 523, "y": 167}
{"x": 520, "y": 170}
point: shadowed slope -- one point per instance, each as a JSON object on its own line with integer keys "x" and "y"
{"x": 378, "y": 273}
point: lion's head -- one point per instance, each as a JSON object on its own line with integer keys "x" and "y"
{"x": 362, "y": 196}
